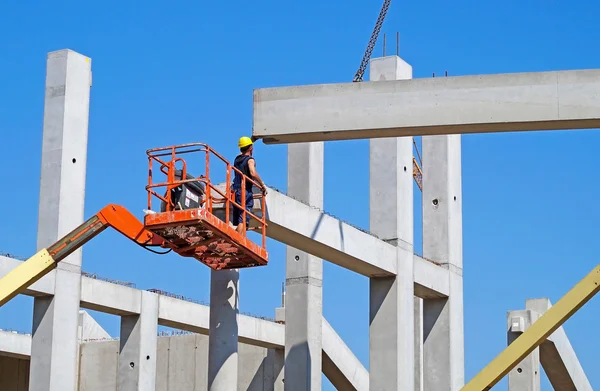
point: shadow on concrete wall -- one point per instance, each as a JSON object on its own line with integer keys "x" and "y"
{"x": 300, "y": 371}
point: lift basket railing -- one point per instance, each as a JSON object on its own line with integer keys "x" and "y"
{"x": 210, "y": 197}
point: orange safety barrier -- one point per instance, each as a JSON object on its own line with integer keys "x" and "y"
{"x": 201, "y": 199}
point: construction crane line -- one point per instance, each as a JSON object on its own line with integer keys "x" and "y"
{"x": 363, "y": 65}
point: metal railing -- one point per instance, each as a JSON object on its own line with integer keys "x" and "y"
{"x": 169, "y": 157}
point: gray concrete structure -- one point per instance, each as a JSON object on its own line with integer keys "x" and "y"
{"x": 556, "y": 355}
{"x": 443, "y": 330}
{"x": 182, "y": 365}
{"x": 62, "y": 193}
{"x": 304, "y": 278}
{"x": 311, "y": 230}
{"x": 137, "y": 350}
{"x": 428, "y": 106}
{"x": 223, "y": 341}
{"x": 342, "y": 367}
{"x": 391, "y": 331}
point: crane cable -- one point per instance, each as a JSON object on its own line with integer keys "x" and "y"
{"x": 371, "y": 45}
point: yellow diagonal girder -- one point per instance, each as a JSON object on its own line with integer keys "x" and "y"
{"x": 25, "y": 274}
{"x": 541, "y": 329}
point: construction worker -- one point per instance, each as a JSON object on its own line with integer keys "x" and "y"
{"x": 247, "y": 165}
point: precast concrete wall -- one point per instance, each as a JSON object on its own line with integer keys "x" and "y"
{"x": 182, "y": 365}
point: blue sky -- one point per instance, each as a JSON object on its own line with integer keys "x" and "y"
{"x": 167, "y": 74}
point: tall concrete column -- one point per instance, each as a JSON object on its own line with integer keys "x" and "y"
{"x": 304, "y": 278}
{"x": 443, "y": 330}
{"x": 223, "y": 334}
{"x": 62, "y": 191}
{"x": 392, "y": 328}
{"x": 138, "y": 347}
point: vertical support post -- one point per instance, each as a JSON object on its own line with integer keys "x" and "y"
{"x": 526, "y": 375}
{"x": 304, "y": 278}
{"x": 138, "y": 347}
{"x": 418, "y": 344}
{"x": 223, "y": 332}
{"x": 443, "y": 329}
{"x": 392, "y": 327}
{"x": 54, "y": 348}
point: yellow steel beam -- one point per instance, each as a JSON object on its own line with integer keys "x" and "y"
{"x": 25, "y": 274}
{"x": 541, "y": 329}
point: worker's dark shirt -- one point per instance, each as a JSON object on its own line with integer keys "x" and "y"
{"x": 241, "y": 163}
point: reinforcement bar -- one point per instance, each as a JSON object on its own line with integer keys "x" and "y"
{"x": 541, "y": 329}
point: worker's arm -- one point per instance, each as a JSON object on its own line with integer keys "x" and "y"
{"x": 255, "y": 176}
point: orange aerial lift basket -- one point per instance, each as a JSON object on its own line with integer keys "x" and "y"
{"x": 195, "y": 214}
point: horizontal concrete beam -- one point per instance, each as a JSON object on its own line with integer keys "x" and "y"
{"x": 119, "y": 300}
{"x": 184, "y": 315}
{"x": 431, "y": 281}
{"x": 311, "y": 230}
{"x": 15, "y": 345}
{"x": 428, "y": 106}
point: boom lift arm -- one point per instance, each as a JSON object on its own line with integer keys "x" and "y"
{"x": 537, "y": 333}
{"x": 47, "y": 259}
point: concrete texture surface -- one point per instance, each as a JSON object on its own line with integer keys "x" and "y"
{"x": 182, "y": 365}
{"x": 340, "y": 365}
{"x": 183, "y": 360}
{"x": 13, "y": 344}
{"x": 137, "y": 351}
{"x": 61, "y": 207}
{"x": 304, "y": 278}
{"x": 391, "y": 218}
{"x": 428, "y": 106}
{"x": 194, "y": 318}
{"x": 443, "y": 328}
{"x": 311, "y": 230}
{"x": 223, "y": 330}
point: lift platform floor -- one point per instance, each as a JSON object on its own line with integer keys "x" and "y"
{"x": 199, "y": 234}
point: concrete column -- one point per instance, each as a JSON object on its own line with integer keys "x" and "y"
{"x": 223, "y": 333}
{"x": 304, "y": 278}
{"x": 278, "y": 370}
{"x": 418, "y": 344}
{"x": 62, "y": 191}
{"x": 443, "y": 330}
{"x": 526, "y": 375}
{"x": 392, "y": 327}
{"x": 138, "y": 347}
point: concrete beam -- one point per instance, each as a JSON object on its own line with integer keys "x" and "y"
{"x": 428, "y": 106}
{"x": 13, "y": 344}
{"x": 193, "y": 317}
{"x": 340, "y": 365}
{"x": 558, "y": 357}
{"x": 315, "y": 232}
{"x": 311, "y": 230}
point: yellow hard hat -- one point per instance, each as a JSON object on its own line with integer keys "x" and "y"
{"x": 244, "y": 142}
